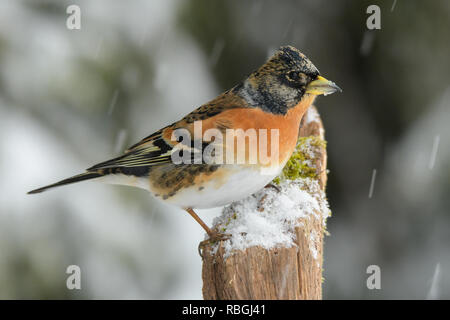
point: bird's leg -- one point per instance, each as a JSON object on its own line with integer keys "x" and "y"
{"x": 200, "y": 221}
{"x": 214, "y": 235}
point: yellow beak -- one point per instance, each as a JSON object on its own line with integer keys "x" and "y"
{"x": 322, "y": 86}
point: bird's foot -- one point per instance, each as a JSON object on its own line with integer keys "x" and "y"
{"x": 214, "y": 237}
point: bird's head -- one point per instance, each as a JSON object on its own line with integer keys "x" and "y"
{"x": 283, "y": 81}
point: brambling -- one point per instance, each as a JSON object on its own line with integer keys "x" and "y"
{"x": 272, "y": 99}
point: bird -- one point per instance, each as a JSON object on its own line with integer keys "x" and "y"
{"x": 171, "y": 163}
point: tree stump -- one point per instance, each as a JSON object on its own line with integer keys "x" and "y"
{"x": 287, "y": 270}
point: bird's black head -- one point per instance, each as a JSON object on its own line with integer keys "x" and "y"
{"x": 292, "y": 67}
{"x": 283, "y": 80}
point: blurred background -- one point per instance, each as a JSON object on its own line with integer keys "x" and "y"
{"x": 72, "y": 98}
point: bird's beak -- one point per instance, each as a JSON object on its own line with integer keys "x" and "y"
{"x": 322, "y": 86}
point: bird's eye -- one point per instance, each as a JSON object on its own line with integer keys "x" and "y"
{"x": 293, "y": 75}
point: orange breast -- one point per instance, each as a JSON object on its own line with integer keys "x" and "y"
{"x": 255, "y": 118}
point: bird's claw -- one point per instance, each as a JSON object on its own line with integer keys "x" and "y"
{"x": 213, "y": 238}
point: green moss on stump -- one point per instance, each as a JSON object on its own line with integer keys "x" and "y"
{"x": 300, "y": 165}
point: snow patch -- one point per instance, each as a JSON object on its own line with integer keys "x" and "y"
{"x": 268, "y": 218}
{"x": 312, "y": 116}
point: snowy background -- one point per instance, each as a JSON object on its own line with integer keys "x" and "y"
{"x": 72, "y": 98}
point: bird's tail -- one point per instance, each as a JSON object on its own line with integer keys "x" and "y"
{"x": 80, "y": 177}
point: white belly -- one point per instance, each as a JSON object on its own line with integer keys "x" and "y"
{"x": 241, "y": 183}
{"x": 238, "y": 185}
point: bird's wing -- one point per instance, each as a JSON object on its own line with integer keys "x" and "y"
{"x": 158, "y": 147}
{"x": 155, "y": 150}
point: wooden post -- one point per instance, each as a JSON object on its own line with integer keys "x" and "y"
{"x": 277, "y": 273}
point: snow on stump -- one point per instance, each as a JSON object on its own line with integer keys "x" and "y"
{"x": 276, "y": 245}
